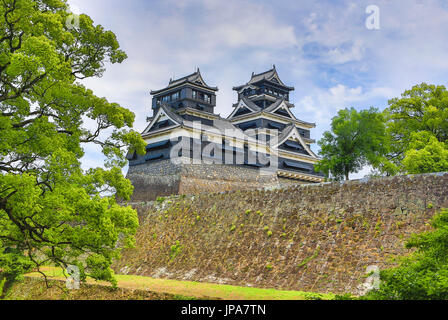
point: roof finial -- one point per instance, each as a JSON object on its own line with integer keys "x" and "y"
{"x": 274, "y": 66}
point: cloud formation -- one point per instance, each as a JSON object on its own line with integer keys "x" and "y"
{"x": 322, "y": 48}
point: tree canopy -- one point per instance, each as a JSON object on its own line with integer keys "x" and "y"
{"x": 357, "y": 138}
{"x": 52, "y": 211}
{"x": 417, "y": 128}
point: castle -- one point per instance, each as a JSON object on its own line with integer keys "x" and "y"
{"x": 191, "y": 149}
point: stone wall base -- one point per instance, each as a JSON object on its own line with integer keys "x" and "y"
{"x": 164, "y": 178}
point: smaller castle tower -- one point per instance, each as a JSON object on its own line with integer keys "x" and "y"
{"x": 187, "y": 93}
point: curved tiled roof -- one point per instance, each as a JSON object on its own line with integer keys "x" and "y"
{"x": 270, "y": 75}
{"x": 194, "y": 78}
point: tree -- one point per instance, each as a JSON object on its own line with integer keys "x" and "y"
{"x": 355, "y": 140}
{"x": 424, "y": 274}
{"x": 424, "y": 108}
{"x": 51, "y": 211}
{"x": 426, "y": 154}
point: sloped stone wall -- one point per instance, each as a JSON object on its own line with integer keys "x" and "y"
{"x": 305, "y": 237}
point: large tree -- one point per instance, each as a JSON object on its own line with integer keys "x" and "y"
{"x": 417, "y": 127}
{"x": 51, "y": 211}
{"x": 356, "y": 139}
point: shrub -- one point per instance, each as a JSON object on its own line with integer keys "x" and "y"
{"x": 424, "y": 274}
{"x": 175, "y": 249}
{"x": 160, "y": 199}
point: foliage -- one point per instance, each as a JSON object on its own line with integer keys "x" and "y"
{"x": 345, "y": 296}
{"x": 308, "y": 259}
{"x": 424, "y": 274}
{"x": 160, "y": 199}
{"x": 418, "y": 118}
{"x": 175, "y": 250}
{"x": 426, "y": 154}
{"x": 52, "y": 211}
{"x": 355, "y": 140}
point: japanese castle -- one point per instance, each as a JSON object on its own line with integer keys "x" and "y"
{"x": 184, "y": 126}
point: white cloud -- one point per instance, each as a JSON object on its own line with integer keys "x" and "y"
{"x": 322, "y": 48}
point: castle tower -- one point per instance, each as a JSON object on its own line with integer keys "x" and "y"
{"x": 190, "y": 149}
{"x": 264, "y": 111}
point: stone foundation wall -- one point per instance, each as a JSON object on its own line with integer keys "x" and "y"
{"x": 285, "y": 182}
{"x": 163, "y": 178}
{"x": 315, "y": 238}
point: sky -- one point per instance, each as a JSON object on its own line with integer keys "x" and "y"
{"x": 336, "y": 53}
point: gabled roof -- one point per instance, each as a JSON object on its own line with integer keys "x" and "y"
{"x": 244, "y": 103}
{"x": 270, "y": 75}
{"x": 164, "y": 110}
{"x": 268, "y": 111}
{"x": 247, "y": 86}
{"x": 291, "y": 132}
{"x": 194, "y": 78}
{"x": 280, "y": 104}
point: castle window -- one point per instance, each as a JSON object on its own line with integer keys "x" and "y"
{"x": 158, "y": 145}
{"x": 202, "y": 96}
{"x": 175, "y": 96}
{"x": 247, "y": 126}
{"x": 156, "y": 156}
{"x": 296, "y": 166}
{"x": 276, "y": 126}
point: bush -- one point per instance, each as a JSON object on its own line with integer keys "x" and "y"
{"x": 424, "y": 274}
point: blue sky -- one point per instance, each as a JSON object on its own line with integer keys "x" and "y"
{"x": 322, "y": 48}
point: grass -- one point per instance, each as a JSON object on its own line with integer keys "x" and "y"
{"x": 192, "y": 289}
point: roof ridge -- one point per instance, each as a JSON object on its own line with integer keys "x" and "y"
{"x": 277, "y": 103}
{"x": 185, "y": 77}
{"x": 259, "y": 74}
{"x": 169, "y": 111}
{"x": 251, "y": 104}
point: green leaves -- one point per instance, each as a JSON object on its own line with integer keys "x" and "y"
{"x": 356, "y": 139}
{"x": 51, "y": 211}
{"x": 408, "y": 137}
{"x": 420, "y": 113}
{"x": 424, "y": 274}
{"x": 426, "y": 154}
